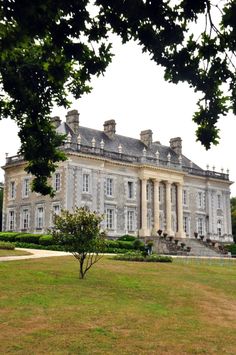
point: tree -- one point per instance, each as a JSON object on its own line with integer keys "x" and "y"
{"x": 233, "y": 216}
{"x": 1, "y": 203}
{"x": 49, "y": 49}
{"x": 81, "y": 235}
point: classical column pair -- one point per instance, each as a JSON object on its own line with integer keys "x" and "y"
{"x": 144, "y": 229}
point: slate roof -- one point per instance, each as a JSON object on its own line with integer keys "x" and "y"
{"x": 130, "y": 146}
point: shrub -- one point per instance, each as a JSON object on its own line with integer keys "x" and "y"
{"x": 138, "y": 245}
{"x": 8, "y": 236}
{"x": 141, "y": 257}
{"x": 231, "y": 248}
{"x": 127, "y": 238}
{"x": 7, "y": 246}
{"x": 46, "y": 240}
{"x": 38, "y": 246}
{"x": 28, "y": 238}
{"x": 120, "y": 244}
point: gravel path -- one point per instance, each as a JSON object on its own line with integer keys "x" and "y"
{"x": 36, "y": 253}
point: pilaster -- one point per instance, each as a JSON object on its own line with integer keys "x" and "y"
{"x": 180, "y": 232}
{"x": 143, "y": 231}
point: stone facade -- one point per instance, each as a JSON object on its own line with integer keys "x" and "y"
{"x": 139, "y": 185}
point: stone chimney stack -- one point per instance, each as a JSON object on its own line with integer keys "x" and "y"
{"x": 72, "y": 119}
{"x": 110, "y": 128}
{"x": 55, "y": 121}
{"x": 176, "y": 145}
{"x": 146, "y": 137}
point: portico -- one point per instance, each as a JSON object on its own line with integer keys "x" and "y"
{"x": 169, "y": 179}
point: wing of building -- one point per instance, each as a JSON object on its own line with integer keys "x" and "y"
{"x": 139, "y": 185}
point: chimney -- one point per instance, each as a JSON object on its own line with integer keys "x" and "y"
{"x": 72, "y": 119}
{"x": 176, "y": 145}
{"x": 110, "y": 128}
{"x": 146, "y": 137}
{"x": 55, "y": 121}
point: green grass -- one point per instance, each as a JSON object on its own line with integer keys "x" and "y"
{"x": 120, "y": 308}
{"x": 5, "y": 252}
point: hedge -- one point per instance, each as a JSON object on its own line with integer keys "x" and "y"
{"x": 140, "y": 257}
{"x": 46, "y": 240}
{"x": 7, "y": 246}
{"x": 231, "y": 248}
{"x": 38, "y": 246}
{"x": 28, "y": 238}
{"x": 8, "y": 236}
{"x": 127, "y": 238}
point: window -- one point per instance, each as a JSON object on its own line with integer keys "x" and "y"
{"x": 110, "y": 218}
{"x": 26, "y": 188}
{"x": 56, "y": 209}
{"x": 185, "y": 223}
{"x": 39, "y": 218}
{"x": 25, "y": 219}
{"x": 12, "y": 189}
{"x": 130, "y": 221}
{"x": 130, "y": 189}
{"x": 109, "y": 188}
{"x": 218, "y": 201}
{"x": 185, "y": 197}
{"x": 201, "y": 200}
{"x": 200, "y": 226}
{"x": 86, "y": 182}
{"x": 57, "y": 182}
{"x": 148, "y": 192}
{"x": 219, "y": 228}
{"x": 11, "y": 220}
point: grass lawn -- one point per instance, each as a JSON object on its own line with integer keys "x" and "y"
{"x": 4, "y": 252}
{"x": 120, "y": 308}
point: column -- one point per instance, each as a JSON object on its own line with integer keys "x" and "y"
{"x": 143, "y": 231}
{"x": 180, "y": 233}
{"x": 168, "y": 208}
{"x": 156, "y": 208}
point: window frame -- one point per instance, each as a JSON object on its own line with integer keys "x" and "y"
{"x": 109, "y": 187}
{"x": 86, "y": 183}
{"x": 11, "y": 221}
{"x": 12, "y": 190}
{"x": 57, "y": 181}
{"x": 130, "y": 221}
{"x": 25, "y": 192}
{"x": 40, "y": 225}
{"x": 110, "y": 218}
{"x": 130, "y": 187}
{"x": 25, "y": 213}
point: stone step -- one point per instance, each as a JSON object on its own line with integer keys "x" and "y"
{"x": 197, "y": 248}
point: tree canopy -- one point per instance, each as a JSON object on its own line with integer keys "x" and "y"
{"x": 233, "y": 216}
{"x": 49, "y": 49}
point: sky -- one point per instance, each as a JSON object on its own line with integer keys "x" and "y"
{"x": 134, "y": 94}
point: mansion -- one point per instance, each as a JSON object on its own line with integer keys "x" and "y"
{"x": 140, "y": 186}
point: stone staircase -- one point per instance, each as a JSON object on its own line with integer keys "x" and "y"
{"x": 185, "y": 246}
{"x": 200, "y": 249}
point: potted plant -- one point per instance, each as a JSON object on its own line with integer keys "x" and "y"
{"x": 195, "y": 234}
{"x": 159, "y": 232}
{"x": 165, "y": 234}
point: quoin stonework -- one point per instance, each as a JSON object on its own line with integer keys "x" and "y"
{"x": 139, "y": 185}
